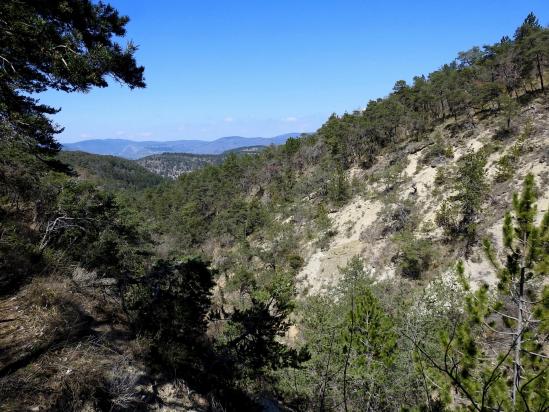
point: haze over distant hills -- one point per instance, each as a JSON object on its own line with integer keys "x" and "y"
{"x": 130, "y": 149}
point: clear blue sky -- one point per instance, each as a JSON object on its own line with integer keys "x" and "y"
{"x": 262, "y": 68}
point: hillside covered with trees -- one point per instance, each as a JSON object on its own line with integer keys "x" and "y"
{"x": 110, "y": 172}
{"x": 396, "y": 259}
{"x": 173, "y": 165}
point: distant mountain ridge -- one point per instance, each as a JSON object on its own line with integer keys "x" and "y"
{"x": 130, "y": 149}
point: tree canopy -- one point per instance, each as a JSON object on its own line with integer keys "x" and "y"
{"x": 62, "y": 45}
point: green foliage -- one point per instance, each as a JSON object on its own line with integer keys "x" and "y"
{"x": 61, "y": 46}
{"x": 291, "y": 146}
{"x": 20, "y": 171}
{"x": 513, "y": 374}
{"x": 369, "y": 343}
{"x": 368, "y": 329}
{"x": 479, "y": 79}
{"x": 459, "y": 214}
{"x": 399, "y": 217}
{"x": 507, "y": 163}
{"x": 509, "y": 110}
{"x": 172, "y": 165}
{"x": 355, "y": 354}
{"x": 339, "y": 189}
{"x": 66, "y": 46}
{"x": 393, "y": 175}
{"x": 110, "y": 172}
{"x": 439, "y": 150}
{"x": 89, "y": 227}
{"x": 505, "y": 167}
{"x": 415, "y": 255}
{"x": 19, "y": 255}
{"x": 239, "y": 220}
{"x": 471, "y": 188}
{"x": 312, "y": 168}
{"x": 316, "y": 385}
{"x": 353, "y": 346}
{"x": 169, "y": 304}
{"x": 251, "y": 340}
{"x": 533, "y": 42}
{"x": 440, "y": 176}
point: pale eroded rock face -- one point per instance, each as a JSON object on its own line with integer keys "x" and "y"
{"x": 322, "y": 268}
{"x": 360, "y": 215}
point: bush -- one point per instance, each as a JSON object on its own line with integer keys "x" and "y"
{"x": 440, "y": 176}
{"x": 506, "y": 165}
{"x": 295, "y": 261}
{"x": 447, "y": 217}
{"x": 415, "y": 255}
{"x": 169, "y": 304}
{"x": 398, "y": 218}
{"x": 339, "y": 189}
{"x": 19, "y": 258}
{"x": 460, "y": 213}
{"x": 505, "y": 168}
{"x": 438, "y": 151}
{"x": 393, "y": 175}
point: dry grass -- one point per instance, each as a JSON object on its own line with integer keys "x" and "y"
{"x": 65, "y": 346}
{"x": 61, "y": 346}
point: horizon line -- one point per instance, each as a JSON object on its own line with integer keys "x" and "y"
{"x": 182, "y": 139}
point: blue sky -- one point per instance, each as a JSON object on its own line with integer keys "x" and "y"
{"x": 262, "y": 68}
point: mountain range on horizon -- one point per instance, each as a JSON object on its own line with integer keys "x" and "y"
{"x": 130, "y": 149}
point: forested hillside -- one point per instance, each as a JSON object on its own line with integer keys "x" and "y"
{"x": 173, "y": 165}
{"x": 110, "y": 172}
{"x": 396, "y": 259}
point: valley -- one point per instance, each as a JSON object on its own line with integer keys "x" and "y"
{"x": 396, "y": 259}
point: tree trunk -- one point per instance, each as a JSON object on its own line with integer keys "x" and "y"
{"x": 325, "y": 383}
{"x": 518, "y": 343}
{"x": 540, "y": 74}
{"x": 349, "y": 351}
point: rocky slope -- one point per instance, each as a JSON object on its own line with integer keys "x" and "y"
{"x": 362, "y": 227}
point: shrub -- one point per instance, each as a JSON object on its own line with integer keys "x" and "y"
{"x": 505, "y": 168}
{"x": 415, "y": 255}
{"x": 507, "y": 163}
{"x": 440, "y": 176}
{"x": 398, "y": 218}
{"x": 438, "y": 151}
{"x": 460, "y": 217}
{"x": 393, "y": 175}
{"x": 169, "y": 304}
{"x": 324, "y": 241}
{"x": 339, "y": 189}
{"x": 295, "y": 261}
{"x": 447, "y": 218}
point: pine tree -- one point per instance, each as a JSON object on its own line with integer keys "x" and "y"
{"x": 459, "y": 215}
{"x": 509, "y": 108}
{"x": 66, "y": 46}
{"x": 520, "y": 280}
{"x": 494, "y": 355}
{"x": 368, "y": 338}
